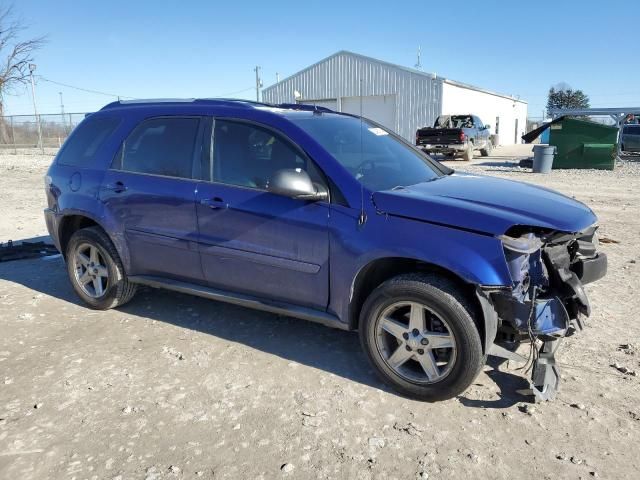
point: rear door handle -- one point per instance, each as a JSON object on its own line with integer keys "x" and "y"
{"x": 214, "y": 203}
{"x": 117, "y": 187}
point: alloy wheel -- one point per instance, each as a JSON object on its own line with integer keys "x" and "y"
{"x": 416, "y": 343}
{"x": 91, "y": 272}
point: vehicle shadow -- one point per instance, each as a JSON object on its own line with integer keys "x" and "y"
{"x": 509, "y": 384}
{"x": 334, "y": 351}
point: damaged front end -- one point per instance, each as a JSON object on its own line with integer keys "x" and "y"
{"x": 546, "y": 301}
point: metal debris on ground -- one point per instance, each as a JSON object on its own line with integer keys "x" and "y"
{"x": 627, "y": 348}
{"x": 608, "y": 240}
{"x": 22, "y": 250}
{"x": 623, "y": 369}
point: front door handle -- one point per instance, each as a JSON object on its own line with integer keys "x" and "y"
{"x": 215, "y": 203}
{"x": 117, "y": 187}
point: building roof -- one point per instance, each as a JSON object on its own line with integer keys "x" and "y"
{"x": 400, "y": 67}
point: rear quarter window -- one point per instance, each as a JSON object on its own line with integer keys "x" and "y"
{"x": 160, "y": 146}
{"x": 86, "y": 140}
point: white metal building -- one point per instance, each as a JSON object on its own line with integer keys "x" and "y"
{"x": 400, "y": 98}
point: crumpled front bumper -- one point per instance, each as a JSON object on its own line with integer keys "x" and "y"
{"x": 552, "y": 314}
{"x": 551, "y": 306}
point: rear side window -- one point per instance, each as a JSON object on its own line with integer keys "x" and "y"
{"x": 86, "y": 140}
{"x": 160, "y": 146}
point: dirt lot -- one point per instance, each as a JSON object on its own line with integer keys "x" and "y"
{"x": 172, "y": 386}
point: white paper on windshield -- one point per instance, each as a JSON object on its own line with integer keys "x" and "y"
{"x": 378, "y": 131}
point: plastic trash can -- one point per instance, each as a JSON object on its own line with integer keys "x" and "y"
{"x": 543, "y": 158}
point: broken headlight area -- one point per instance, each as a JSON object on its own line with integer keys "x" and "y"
{"x": 546, "y": 301}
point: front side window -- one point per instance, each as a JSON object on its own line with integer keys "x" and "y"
{"x": 375, "y": 157}
{"x": 160, "y": 146}
{"x": 248, "y": 155}
{"x": 86, "y": 139}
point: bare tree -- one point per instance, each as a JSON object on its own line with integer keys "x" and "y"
{"x": 15, "y": 56}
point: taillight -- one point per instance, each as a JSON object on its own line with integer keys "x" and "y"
{"x": 462, "y": 136}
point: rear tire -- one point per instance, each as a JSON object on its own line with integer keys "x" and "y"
{"x": 95, "y": 270}
{"x": 468, "y": 153}
{"x": 406, "y": 357}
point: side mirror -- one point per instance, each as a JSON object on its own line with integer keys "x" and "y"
{"x": 295, "y": 183}
{"x": 487, "y": 127}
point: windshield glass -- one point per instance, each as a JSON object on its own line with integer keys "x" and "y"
{"x": 376, "y": 158}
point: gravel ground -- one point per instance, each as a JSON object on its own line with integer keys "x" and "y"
{"x": 172, "y": 386}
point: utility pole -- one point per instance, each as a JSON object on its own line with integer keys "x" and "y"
{"x": 32, "y": 67}
{"x": 258, "y": 82}
{"x": 418, "y": 63}
{"x": 277, "y": 77}
{"x": 64, "y": 121}
{"x": 61, "y": 104}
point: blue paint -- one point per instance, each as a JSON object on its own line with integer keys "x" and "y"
{"x": 295, "y": 251}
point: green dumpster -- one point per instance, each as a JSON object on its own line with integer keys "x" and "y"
{"x": 583, "y": 144}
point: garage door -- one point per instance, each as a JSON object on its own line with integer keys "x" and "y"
{"x": 327, "y": 103}
{"x": 380, "y": 108}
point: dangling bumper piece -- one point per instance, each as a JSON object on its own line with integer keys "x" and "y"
{"x": 547, "y": 301}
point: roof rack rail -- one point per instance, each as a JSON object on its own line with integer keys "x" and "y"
{"x": 237, "y": 101}
{"x": 303, "y": 106}
{"x": 143, "y": 101}
{"x": 219, "y": 101}
{"x": 157, "y": 100}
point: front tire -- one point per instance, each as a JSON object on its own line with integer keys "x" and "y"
{"x": 96, "y": 271}
{"x": 486, "y": 151}
{"x": 419, "y": 334}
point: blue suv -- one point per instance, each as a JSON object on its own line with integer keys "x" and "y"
{"x": 328, "y": 217}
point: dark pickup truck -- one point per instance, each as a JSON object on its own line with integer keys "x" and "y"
{"x": 455, "y": 135}
{"x": 630, "y": 139}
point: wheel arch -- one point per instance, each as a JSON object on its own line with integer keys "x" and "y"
{"x": 73, "y": 221}
{"x": 380, "y": 270}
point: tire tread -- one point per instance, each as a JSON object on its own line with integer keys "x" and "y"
{"x": 447, "y": 292}
{"x": 124, "y": 289}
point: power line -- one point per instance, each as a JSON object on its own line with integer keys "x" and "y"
{"x": 40, "y": 77}
{"x": 235, "y": 93}
{"x": 88, "y": 90}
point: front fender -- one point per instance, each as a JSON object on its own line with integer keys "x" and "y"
{"x": 475, "y": 258}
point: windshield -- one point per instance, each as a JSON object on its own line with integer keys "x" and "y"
{"x": 375, "y": 157}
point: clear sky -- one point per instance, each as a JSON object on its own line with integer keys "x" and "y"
{"x": 154, "y": 48}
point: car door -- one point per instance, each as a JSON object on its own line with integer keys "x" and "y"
{"x": 253, "y": 241}
{"x": 149, "y": 192}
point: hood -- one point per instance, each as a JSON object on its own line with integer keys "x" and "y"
{"x": 485, "y": 204}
